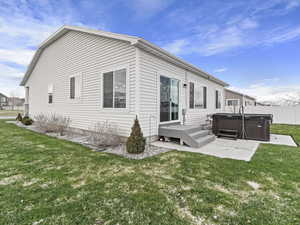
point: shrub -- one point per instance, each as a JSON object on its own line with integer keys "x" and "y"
{"x": 27, "y": 121}
{"x": 105, "y": 134}
{"x": 41, "y": 122}
{"x": 136, "y": 141}
{"x": 54, "y": 123}
{"x": 19, "y": 117}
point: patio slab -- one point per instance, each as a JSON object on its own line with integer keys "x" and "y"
{"x": 277, "y": 139}
{"x": 232, "y": 149}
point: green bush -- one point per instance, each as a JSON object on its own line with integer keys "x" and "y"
{"x": 136, "y": 142}
{"x": 27, "y": 121}
{"x": 19, "y": 117}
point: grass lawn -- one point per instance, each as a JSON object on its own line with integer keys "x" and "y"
{"x": 48, "y": 181}
{"x": 10, "y": 112}
{"x": 292, "y": 130}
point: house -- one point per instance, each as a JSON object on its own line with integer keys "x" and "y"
{"x": 93, "y": 76}
{"x": 3, "y": 100}
{"x": 15, "y": 102}
{"x": 236, "y": 100}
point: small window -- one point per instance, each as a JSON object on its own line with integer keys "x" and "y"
{"x": 114, "y": 89}
{"x": 50, "y": 93}
{"x": 72, "y": 87}
{"x": 50, "y": 98}
{"x": 218, "y": 99}
{"x": 198, "y": 96}
{"x": 233, "y": 102}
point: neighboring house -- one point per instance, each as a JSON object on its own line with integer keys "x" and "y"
{"x": 16, "y": 101}
{"x": 236, "y": 100}
{"x": 95, "y": 76}
{"x": 3, "y": 100}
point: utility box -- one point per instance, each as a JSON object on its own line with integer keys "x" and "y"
{"x": 256, "y": 126}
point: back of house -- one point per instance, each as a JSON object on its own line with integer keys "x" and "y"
{"x": 95, "y": 76}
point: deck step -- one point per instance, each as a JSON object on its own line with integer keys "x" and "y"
{"x": 193, "y": 136}
{"x": 205, "y": 140}
{"x": 200, "y": 133}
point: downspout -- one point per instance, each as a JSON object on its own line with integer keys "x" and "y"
{"x": 184, "y": 110}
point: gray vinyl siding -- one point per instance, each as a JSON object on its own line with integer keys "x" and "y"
{"x": 231, "y": 95}
{"x": 90, "y": 55}
{"x": 151, "y": 67}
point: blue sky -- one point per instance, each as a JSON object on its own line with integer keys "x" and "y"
{"x": 254, "y": 45}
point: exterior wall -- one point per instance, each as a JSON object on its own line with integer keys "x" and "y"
{"x": 198, "y": 116}
{"x": 150, "y": 69}
{"x": 231, "y": 95}
{"x": 89, "y": 55}
{"x": 249, "y": 101}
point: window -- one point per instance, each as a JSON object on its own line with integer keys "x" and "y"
{"x": 75, "y": 86}
{"x": 114, "y": 89}
{"x": 72, "y": 87}
{"x": 218, "y": 99}
{"x": 198, "y": 96}
{"x": 192, "y": 87}
{"x": 50, "y": 93}
{"x": 50, "y": 98}
{"x": 232, "y": 102}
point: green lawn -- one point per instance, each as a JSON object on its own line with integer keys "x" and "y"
{"x": 10, "y": 112}
{"x": 48, "y": 181}
{"x": 292, "y": 130}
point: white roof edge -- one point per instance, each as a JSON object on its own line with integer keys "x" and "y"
{"x": 132, "y": 39}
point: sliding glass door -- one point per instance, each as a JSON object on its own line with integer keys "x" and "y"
{"x": 169, "y": 99}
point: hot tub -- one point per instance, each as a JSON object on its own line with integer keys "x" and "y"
{"x": 256, "y": 126}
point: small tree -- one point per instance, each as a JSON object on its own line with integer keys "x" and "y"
{"x": 19, "y": 117}
{"x": 136, "y": 142}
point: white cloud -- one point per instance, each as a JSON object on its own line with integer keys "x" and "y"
{"x": 282, "y": 35}
{"x": 248, "y": 24}
{"x": 176, "y": 46}
{"x": 291, "y": 4}
{"x": 18, "y": 56}
{"x": 147, "y": 8}
{"x": 23, "y": 26}
{"x": 279, "y": 94}
{"x": 220, "y": 70}
{"x": 10, "y": 72}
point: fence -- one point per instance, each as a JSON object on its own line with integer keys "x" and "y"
{"x": 281, "y": 114}
{"x": 20, "y": 108}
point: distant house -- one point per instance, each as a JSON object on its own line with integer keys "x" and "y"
{"x": 93, "y": 76}
{"x": 15, "y": 101}
{"x": 3, "y": 100}
{"x": 236, "y": 99}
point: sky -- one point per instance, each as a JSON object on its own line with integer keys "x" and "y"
{"x": 253, "y": 45}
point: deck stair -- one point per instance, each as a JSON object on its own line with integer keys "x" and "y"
{"x": 193, "y": 136}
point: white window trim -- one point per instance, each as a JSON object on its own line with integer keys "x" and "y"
{"x": 113, "y": 69}
{"x": 197, "y": 84}
{"x": 233, "y": 99}
{"x": 76, "y": 98}
{"x": 221, "y": 99}
{"x": 168, "y": 75}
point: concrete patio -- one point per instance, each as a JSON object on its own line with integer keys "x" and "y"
{"x": 232, "y": 149}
